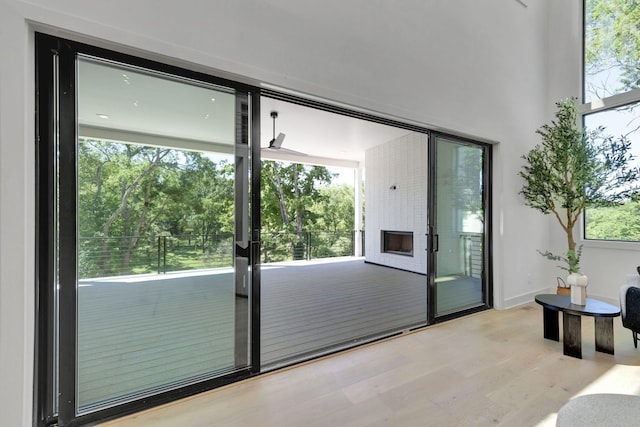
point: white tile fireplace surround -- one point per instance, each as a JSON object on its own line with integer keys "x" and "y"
{"x": 396, "y": 201}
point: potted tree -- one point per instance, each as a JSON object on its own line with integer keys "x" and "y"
{"x": 572, "y": 169}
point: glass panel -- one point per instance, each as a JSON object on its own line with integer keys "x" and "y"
{"x": 459, "y": 226}
{"x": 156, "y": 281}
{"x": 318, "y": 292}
{"x": 612, "y": 47}
{"x": 616, "y": 222}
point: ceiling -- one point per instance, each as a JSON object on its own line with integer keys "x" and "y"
{"x": 323, "y": 134}
{"x": 134, "y": 106}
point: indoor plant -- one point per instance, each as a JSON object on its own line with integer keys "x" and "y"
{"x": 572, "y": 169}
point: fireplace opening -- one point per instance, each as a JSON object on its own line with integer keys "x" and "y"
{"x": 397, "y": 242}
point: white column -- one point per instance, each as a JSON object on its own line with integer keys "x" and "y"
{"x": 357, "y": 221}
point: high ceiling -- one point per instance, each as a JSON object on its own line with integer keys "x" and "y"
{"x": 125, "y": 104}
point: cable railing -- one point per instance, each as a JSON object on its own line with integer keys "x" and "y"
{"x": 286, "y": 246}
{"x": 472, "y": 248}
{"x": 127, "y": 255}
{"x": 130, "y": 255}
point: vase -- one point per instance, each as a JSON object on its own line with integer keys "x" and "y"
{"x": 578, "y": 284}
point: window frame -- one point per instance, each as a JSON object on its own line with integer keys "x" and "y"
{"x": 608, "y": 103}
{"x": 55, "y": 376}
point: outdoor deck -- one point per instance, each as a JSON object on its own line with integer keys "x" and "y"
{"x": 142, "y": 333}
{"x": 308, "y": 307}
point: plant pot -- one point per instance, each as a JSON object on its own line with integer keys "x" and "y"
{"x": 578, "y": 284}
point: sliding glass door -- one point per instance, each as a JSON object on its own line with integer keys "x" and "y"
{"x": 148, "y": 280}
{"x": 149, "y": 235}
{"x": 458, "y": 226}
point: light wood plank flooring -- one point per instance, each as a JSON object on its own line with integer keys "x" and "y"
{"x": 493, "y": 368}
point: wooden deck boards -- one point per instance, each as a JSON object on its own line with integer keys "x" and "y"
{"x": 135, "y": 336}
{"x": 311, "y": 307}
{"x": 141, "y": 334}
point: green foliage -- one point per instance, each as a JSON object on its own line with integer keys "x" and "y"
{"x": 469, "y": 181}
{"x": 128, "y": 192}
{"x": 289, "y": 192}
{"x": 614, "y": 223}
{"x": 572, "y": 169}
{"x": 572, "y": 260}
{"x": 130, "y": 195}
{"x": 337, "y": 210}
{"x": 612, "y": 40}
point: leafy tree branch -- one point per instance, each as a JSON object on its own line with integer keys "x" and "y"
{"x": 572, "y": 169}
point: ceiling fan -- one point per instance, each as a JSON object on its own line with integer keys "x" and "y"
{"x": 276, "y": 142}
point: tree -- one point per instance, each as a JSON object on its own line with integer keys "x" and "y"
{"x": 337, "y": 210}
{"x": 207, "y": 189}
{"x": 469, "y": 181}
{"x": 116, "y": 189}
{"x": 614, "y": 223}
{"x": 288, "y": 192}
{"x": 572, "y": 169}
{"x": 612, "y": 41}
{"x": 130, "y": 194}
{"x": 334, "y": 222}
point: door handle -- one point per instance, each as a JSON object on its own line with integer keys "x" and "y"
{"x": 432, "y": 242}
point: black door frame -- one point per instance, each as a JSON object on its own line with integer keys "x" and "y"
{"x": 432, "y": 238}
{"x": 56, "y": 164}
{"x": 55, "y": 59}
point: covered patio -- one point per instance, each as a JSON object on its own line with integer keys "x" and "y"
{"x": 141, "y": 333}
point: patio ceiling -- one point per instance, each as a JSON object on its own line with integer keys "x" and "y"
{"x": 133, "y": 106}
{"x": 318, "y": 133}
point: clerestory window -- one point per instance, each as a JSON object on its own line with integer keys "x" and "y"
{"x": 611, "y": 78}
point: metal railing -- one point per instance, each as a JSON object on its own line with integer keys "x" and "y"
{"x": 118, "y": 256}
{"x": 472, "y": 249}
{"x": 127, "y": 255}
{"x": 286, "y": 246}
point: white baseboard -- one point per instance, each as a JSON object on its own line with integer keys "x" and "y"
{"x": 530, "y": 297}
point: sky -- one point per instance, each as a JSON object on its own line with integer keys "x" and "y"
{"x": 617, "y": 122}
{"x": 344, "y": 175}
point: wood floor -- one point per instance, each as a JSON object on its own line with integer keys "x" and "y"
{"x": 489, "y": 369}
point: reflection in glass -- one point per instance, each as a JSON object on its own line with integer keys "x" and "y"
{"x": 460, "y": 226}
{"x": 616, "y": 222}
{"x": 318, "y": 294}
{"x": 156, "y": 291}
{"x": 611, "y": 48}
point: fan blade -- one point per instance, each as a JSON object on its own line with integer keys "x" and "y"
{"x": 285, "y": 151}
{"x": 297, "y": 153}
{"x": 277, "y": 142}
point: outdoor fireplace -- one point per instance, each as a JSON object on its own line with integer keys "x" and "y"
{"x": 397, "y": 242}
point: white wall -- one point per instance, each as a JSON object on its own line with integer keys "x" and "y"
{"x": 401, "y": 163}
{"x": 16, "y": 221}
{"x": 480, "y": 68}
